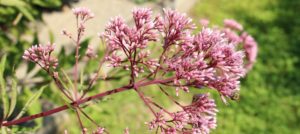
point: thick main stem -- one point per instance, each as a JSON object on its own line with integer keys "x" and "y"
{"x": 76, "y": 103}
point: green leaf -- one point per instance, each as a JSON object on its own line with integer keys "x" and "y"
{"x": 18, "y": 19}
{"x": 12, "y": 3}
{"x": 13, "y": 99}
{"x": 66, "y": 101}
{"x": 30, "y": 102}
{"x": 48, "y": 3}
{"x": 26, "y": 13}
{"x": 3, "y": 87}
{"x": 3, "y": 130}
{"x": 2, "y": 64}
{"x": 20, "y": 5}
{"x": 70, "y": 82}
{"x": 65, "y": 87}
{"x": 83, "y": 46}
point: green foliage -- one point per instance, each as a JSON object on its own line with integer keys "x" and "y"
{"x": 17, "y": 99}
{"x": 31, "y": 101}
{"x": 269, "y": 94}
{"x": 9, "y": 98}
{"x": 14, "y": 17}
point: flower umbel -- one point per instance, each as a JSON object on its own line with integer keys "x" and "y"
{"x": 197, "y": 118}
{"x": 162, "y": 51}
{"x": 41, "y": 54}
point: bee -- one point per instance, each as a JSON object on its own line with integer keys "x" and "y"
{"x": 235, "y": 96}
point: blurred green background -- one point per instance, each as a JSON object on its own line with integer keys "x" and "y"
{"x": 270, "y": 94}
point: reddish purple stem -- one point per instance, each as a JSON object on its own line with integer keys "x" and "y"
{"x": 97, "y": 96}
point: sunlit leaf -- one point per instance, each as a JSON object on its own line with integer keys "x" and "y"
{"x": 47, "y": 3}
{"x": 26, "y": 13}
{"x": 70, "y": 82}
{"x": 13, "y": 99}
{"x": 3, "y": 87}
{"x": 12, "y": 3}
{"x": 31, "y": 100}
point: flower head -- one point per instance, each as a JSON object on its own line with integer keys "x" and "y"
{"x": 177, "y": 28}
{"x": 210, "y": 61}
{"x": 230, "y": 23}
{"x": 159, "y": 121}
{"x": 90, "y": 52}
{"x": 198, "y": 117}
{"x": 99, "y": 130}
{"x": 41, "y": 54}
{"x": 250, "y": 47}
{"x": 83, "y": 13}
{"x": 204, "y": 22}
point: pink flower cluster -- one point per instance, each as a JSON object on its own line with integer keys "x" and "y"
{"x": 99, "y": 130}
{"x": 250, "y": 47}
{"x": 176, "y": 28}
{"x": 120, "y": 37}
{"x": 246, "y": 40}
{"x": 210, "y": 58}
{"x": 41, "y": 54}
{"x": 197, "y": 118}
{"x": 232, "y": 24}
{"x": 83, "y": 13}
{"x": 90, "y": 52}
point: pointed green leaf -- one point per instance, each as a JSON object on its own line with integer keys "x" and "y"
{"x": 63, "y": 84}
{"x": 47, "y": 3}
{"x": 26, "y": 13}
{"x": 66, "y": 101}
{"x": 3, "y": 87}
{"x": 17, "y": 19}
{"x": 30, "y": 102}
{"x": 13, "y": 99}
{"x": 70, "y": 82}
{"x": 12, "y": 3}
{"x": 2, "y": 66}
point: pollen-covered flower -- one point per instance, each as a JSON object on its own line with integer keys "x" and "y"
{"x": 41, "y": 54}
